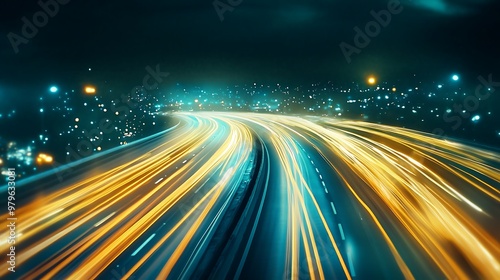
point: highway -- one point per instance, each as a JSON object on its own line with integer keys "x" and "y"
{"x": 258, "y": 196}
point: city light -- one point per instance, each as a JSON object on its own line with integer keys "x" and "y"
{"x": 371, "y": 80}
{"x": 53, "y": 89}
{"x": 455, "y": 77}
{"x": 90, "y": 90}
{"x": 44, "y": 159}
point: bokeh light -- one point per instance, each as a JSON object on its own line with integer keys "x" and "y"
{"x": 371, "y": 80}
{"x": 90, "y": 90}
{"x": 44, "y": 159}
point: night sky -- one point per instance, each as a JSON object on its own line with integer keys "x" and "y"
{"x": 275, "y": 41}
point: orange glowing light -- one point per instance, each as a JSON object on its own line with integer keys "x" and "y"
{"x": 90, "y": 90}
{"x": 372, "y": 80}
{"x": 44, "y": 159}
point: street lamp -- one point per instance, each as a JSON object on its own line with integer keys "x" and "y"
{"x": 371, "y": 80}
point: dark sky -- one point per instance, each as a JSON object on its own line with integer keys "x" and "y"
{"x": 279, "y": 41}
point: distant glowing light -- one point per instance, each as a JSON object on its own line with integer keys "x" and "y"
{"x": 440, "y": 86}
{"x": 372, "y": 80}
{"x": 476, "y": 118}
{"x": 455, "y": 77}
{"x": 77, "y": 119}
{"x": 44, "y": 159}
{"x": 90, "y": 90}
{"x": 394, "y": 89}
{"x": 41, "y": 110}
{"x": 99, "y": 148}
{"x": 53, "y": 89}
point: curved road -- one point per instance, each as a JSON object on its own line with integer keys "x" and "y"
{"x": 255, "y": 196}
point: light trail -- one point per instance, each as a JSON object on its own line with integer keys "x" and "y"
{"x": 429, "y": 202}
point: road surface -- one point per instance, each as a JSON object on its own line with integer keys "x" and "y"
{"x": 256, "y": 196}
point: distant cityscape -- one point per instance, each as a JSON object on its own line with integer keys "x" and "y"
{"x": 76, "y": 123}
